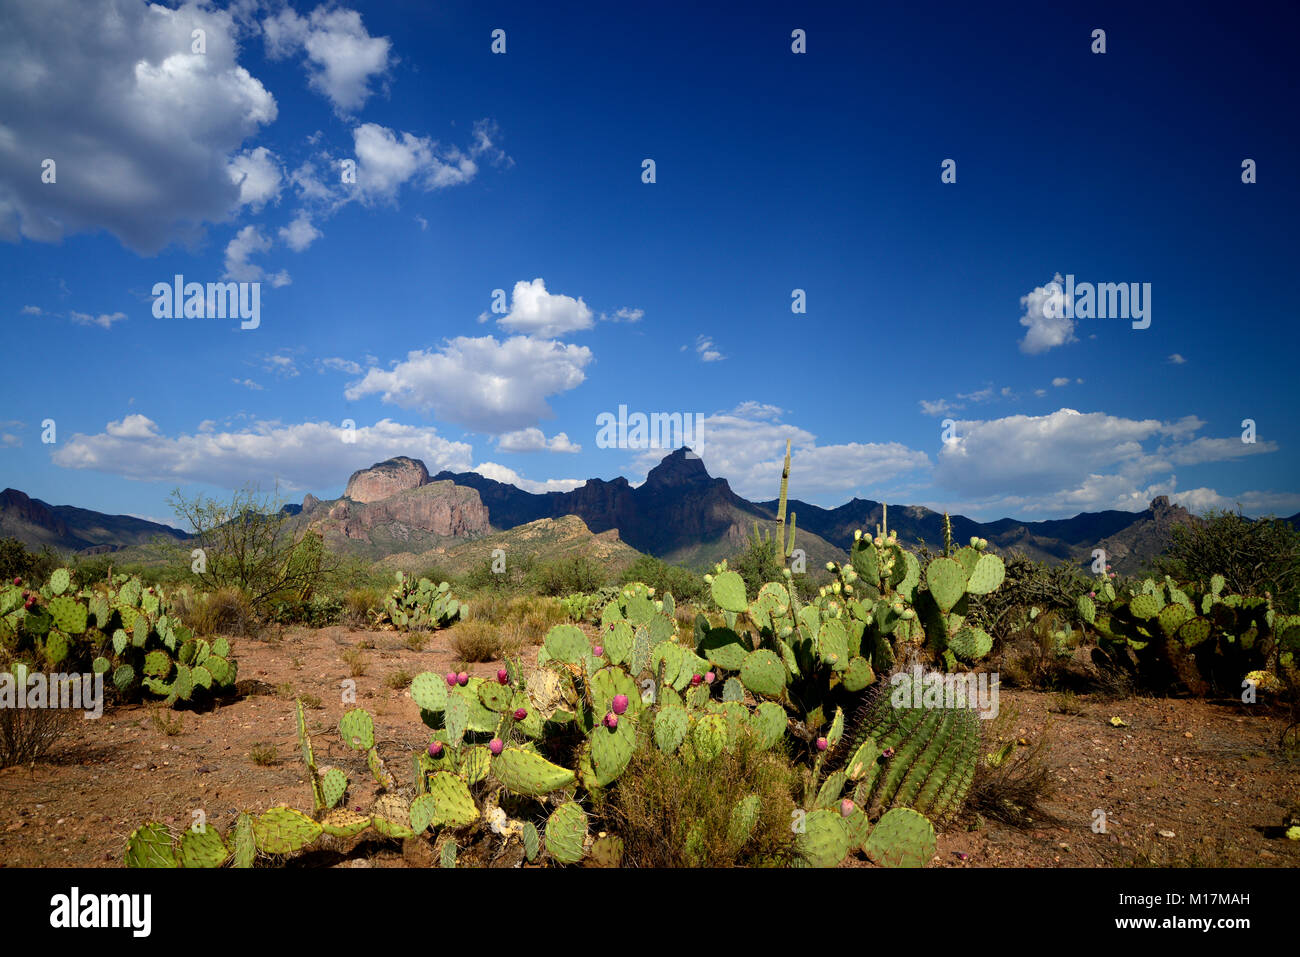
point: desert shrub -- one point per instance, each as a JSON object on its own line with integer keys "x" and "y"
{"x": 1012, "y": 781}
{"x": 398, "y": 680}
{"x": 485, "y": 577}
{"x": 521, "y": 620}
{"x": 1254, "y": 557}
{"x": 1037, "y": 651}
{"x": 758, "y": 563}
{"x": 476, "y": 641}
{"x": 360, "y": 606}
{"x": 355, "y": 658}
{"x": 225, "y": 611}
{"x": 316, "y": 612}
{"x": 1028, "y": 585}
{"x": 17, "y": 561}
{"x": 436, "y": 573}
{"x": 28, "y": 734}
{"x": 539, "y": 616}
{"x": 673, "y": 814}
{"x": 88, "y": 570}
{"x": 248, "y": 545}
{"x": 563, "y": 576}
{"x": 682, "y": 583}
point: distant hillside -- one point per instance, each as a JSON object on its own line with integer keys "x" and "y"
{"x": 67, "y": 528}
{"x": 545, "y": 539}
{"x": 1131, "y": 539}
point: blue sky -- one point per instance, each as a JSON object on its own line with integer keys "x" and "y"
{"x": 774, "y": 171}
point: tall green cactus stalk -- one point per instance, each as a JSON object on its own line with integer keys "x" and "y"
{"x": 947, "y": 536}
{"x": 784, "y": 546}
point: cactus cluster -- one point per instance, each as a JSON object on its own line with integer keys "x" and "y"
{"x": 904, "y": 608}
{"x": 420, "y": 605}
{"x": 120, "y": 628}
{"x": 1192, "y": 636}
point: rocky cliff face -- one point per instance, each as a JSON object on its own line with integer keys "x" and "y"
{"x": 386, "y": 478}
{"x": 441, "y": 509}
{"x": 393, "y": 506}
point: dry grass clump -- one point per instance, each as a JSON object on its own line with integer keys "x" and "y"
{"x": 670, "y": 814}
{"x": 355, "y": 659}
{"x": 360, "y": 606}
{"x": 28, "y": 734}
{"x": 476, "y": 640}
{"x": 1012, "y": 780}
{"x": 225, "y": 611}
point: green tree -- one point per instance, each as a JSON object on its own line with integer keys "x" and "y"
{"x": 1252, "y": 556}
{"x": 248, "y": 544}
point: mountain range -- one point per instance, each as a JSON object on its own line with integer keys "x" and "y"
{"x": 395, "y": 512}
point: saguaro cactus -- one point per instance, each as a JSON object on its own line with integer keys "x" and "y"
{"x": 784, "y": 547}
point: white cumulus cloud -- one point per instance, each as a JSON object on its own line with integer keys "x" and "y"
{"x": 536, "y": 312}
{"x": 144, "y": 131}
{"x": 1047, "y": 327}
{"x": 341, "y": 56}
{"x": 481, "y": 383}
{"x": 304, "y": 456}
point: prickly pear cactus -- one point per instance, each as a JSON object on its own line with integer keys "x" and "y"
{"x": 902, "y": 838}
{"x": 420, "y": 605}
{"x": 284, "y": 830}
{"x": 566, "y": 832}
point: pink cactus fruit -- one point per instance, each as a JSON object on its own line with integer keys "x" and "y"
{"x": 503, "y": 676}
{"x": 695, "y": 680}
{"x": 846, "y": 807}
{"x": 520, "y": 714}
{"x": 451, "y": 679}
{"x": 495, "y": 746}
{"x": 435, "y": 749}
{"x": 611, "y": 720}
{"x": 709, "y": 677}
{"x": 598, "y": 651}
{"x": 620, "y": 704}
{"x": 821, "y": 744}
{"x": 462, "y": 679}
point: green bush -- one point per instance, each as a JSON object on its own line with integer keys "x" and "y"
{"x": 17, "y": 561}
{"x": 758, "y": 564}
{"x": 564, "y": 576}
{"x": 682, "y": 583}
{"x": 1254, "y": 557}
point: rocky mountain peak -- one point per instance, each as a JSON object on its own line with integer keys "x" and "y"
{"x": 680, "y": 468}
{"x": 386, "y": 478}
